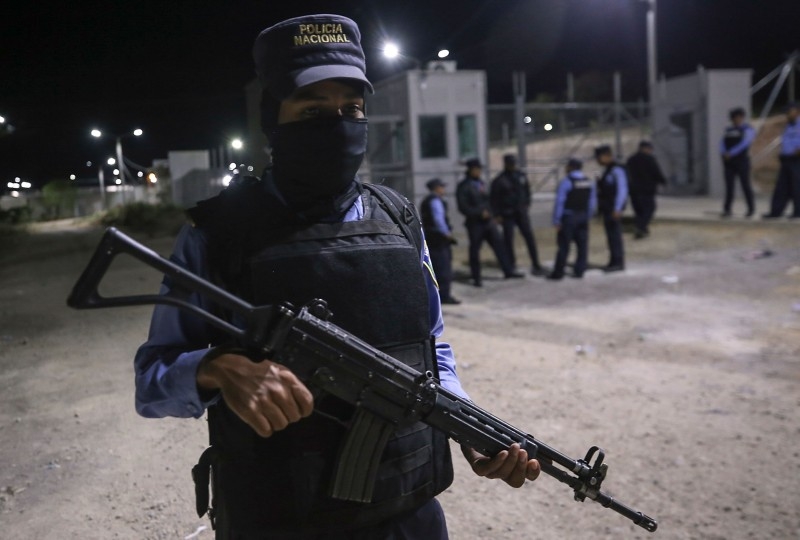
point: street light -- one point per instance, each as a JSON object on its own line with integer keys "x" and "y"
{"x": 392, "y": 51}
{"x": 118, "y": 138}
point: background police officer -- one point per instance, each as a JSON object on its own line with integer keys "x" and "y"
{"x": 510, "y": 196}
{"x": 305, "y": 230}
{"x": 788, "y": 184}
{"x": 575, "y": 203}
{"x": 612, "y": 192}
{"x": 734, "y": 149}
{"x": 473, "y": 201}
{"x": 439, "y": 237}
{"x": 645, "y": 176}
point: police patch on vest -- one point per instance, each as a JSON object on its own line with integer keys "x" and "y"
{"x": 314, "y": 34}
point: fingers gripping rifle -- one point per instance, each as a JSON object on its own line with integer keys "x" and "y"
{"x": 385, "y": 392}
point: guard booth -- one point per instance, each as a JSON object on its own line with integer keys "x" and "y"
{"x": 425, "y": 123}
{"x": 690, "y": 116}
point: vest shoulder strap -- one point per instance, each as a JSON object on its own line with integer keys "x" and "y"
{"x": 401, "y": 210}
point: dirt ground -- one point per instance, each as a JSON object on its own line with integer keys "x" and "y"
{"x": 685, "y": 368}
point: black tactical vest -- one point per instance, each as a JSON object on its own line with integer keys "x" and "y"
{"x": 578, "y": 197}
{"x": 607, "y": 191}
{"x": 433, "y": 236}
{"x": 733, "y": 136}
{"x": 370, "y": 274}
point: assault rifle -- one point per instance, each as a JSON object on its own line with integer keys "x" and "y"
{"x": 385, "y": 392}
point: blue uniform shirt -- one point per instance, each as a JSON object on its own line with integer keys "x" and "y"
{"x": 166, "y": 364}
{"x": 439, "y": 222}
{"x": 563, "y": 189}
{"x": 748, "y": 134}
{"x": 621, "y": 179}
{"x": 790, "y": 142}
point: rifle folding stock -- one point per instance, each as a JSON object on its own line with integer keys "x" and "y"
{"x": 385, "y": 392}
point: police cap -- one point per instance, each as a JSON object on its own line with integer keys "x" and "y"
{"x": 738, "y": 111}
{"x": 602, "y": 150}
{"x": 575, "y": 164}
{"x": 474, "y": 162}
{"x": 305, "y": 50}
{"x": 435, "y": 183}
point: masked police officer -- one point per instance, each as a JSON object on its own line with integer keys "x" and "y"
{"x": 575, "y": 203}
{"x": 439, "y": 237}
{"x": 734, "y": 149}
{"x": 307, "y": 229}
{"x": 510, "y": 196}
{"x": 787, "y": 186}
{"x": 612, "y": 192}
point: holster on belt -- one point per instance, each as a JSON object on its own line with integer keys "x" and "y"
{"x": 201, "y": 474}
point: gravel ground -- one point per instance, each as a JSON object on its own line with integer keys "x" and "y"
{"x": 685, "y": 368}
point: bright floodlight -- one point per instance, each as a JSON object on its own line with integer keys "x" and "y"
{"x": 527, "y": 119}
{"x": 117, "y": 181}
{"x": 116, "y": 172}
{"x": 26, "y": 185}
{"x": 237, "y": 144}
{"x": 111, "y": 161}
{"x": 444, "y": 53}
{"x": 138, "y": 132}
{"x": 390, "y": 50}
{"x": 140, "y": 174}
{"x": 548, "y": 127}
{"x": 226, "y": 179}
{"x": 97, "y": 133}
{"x": 152, "y": 178}
{"x": 72, "y": 177}
{"x": 231, "y": 166}
{"x": 2, "y": 120}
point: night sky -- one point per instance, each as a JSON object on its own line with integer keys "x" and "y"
{"x": 176, "y": 68}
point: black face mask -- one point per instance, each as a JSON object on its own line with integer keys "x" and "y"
{"x": 313, "y": 161}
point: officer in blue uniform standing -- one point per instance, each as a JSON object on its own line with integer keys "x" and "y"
{"x": 309, "y": 228}
{"x": 734, "y": 149}
{"x": 439, "y": 237}
{"x": 612, "y": 192}
{"x": 787, "y": 187}
{"x": 575, "y": 204}
{"x": 474, "y": 202}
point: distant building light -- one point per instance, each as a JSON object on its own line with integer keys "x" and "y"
{"x": 444, "y": 53}
{"x": 548, "y": 127}
{"x": 527, "y": 119}
{"x": 138, "y": 132}
{"x": 140, "y": 174}
{"x": 226, "y": 180}
{"x": 15, "y": 193}
{"x": 111, "y": 161}
{"x": 231, "y": 166}
{"x": 237, "y": 144}
{"x": 152, "y": 178}
{"x": 26, "y": 185}
{"x": 88, "y": 163}
{"x": 390, "y": 50}
{"x": 97, "y": 133}
{"x": 116, "y": 172}
{"x": 13, "y": 185}
{"x": 72, "y": 177}
{"x": 117, "y": 181}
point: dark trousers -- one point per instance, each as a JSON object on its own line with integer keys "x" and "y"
{"x": 520, "y": 220}
{"x": 574, "y": 228}
{"x": 442, "y": 262}
{"x": 644, "y": 208}
{"x": 614, "y": 238}
{"x": 478, "y": 231}
{"x": 425, "y": 523}
{"x": 787, "y": 188}
{"x": 738, "y": 167}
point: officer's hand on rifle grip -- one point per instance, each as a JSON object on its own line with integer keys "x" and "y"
{"x": 265, "y": 395}
{"x": 512, "y": 465}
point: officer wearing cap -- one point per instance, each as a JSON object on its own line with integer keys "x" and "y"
{"x": 307, "y": 229}
{"x": 612, "y": 192}
{"x": 575, "y": 203}
{"x": 439, "y": 237}
{"x": 787, "y": 186}
{"x": 734, "y": 149}
{"x": 473, "y": 201}
{"x": 510, "y": 196}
